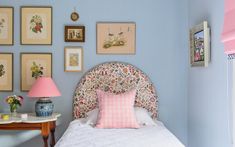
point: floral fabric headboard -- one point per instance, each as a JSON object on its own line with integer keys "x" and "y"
{"x": 115, "y": 77}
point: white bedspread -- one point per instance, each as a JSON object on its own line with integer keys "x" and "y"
{"x": 83, "y": 135}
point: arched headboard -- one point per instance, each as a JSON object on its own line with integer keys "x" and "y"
{"x": 115, "y": 77}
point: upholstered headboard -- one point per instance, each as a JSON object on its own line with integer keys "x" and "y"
{"x": 115, "y": 77}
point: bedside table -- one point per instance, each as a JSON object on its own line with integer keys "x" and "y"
{"x": 46, "y": 125}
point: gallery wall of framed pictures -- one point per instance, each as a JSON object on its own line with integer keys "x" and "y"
{"x": 36, "y": 28}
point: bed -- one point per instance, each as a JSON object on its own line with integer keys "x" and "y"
{"x": 115, "y": 77}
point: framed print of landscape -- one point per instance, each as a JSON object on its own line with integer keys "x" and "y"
{"x": 34, "y": 65}
{"x": 36, "y": 25}
{"x": 6, "y": 25}
{"x": 73, "y": 59}
{"x": 200, "y": 45}
{"x": 116, "y": 37}
{"x": 6, "y": 72}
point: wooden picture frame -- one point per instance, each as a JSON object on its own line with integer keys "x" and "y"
{"x": 6, "y": 72}
{"x": 73, "y": 59}
{"x": 6, "y": 25}
{"x": 36, "y": 25}
{"x": 200, "y": 45}
{"x": 74, "y": 34}
{"x": 116, "y": 38}
{"x": 34, "y": 65}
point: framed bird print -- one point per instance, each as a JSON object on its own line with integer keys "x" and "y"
{"x": 116, "y": 37}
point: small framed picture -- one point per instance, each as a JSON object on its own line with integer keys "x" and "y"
{"x": 6, "y": 26}
{"x": 6, "y": 71}
{"x": 73, "y": 59}
{"x": 34, "y": 65}
{"x": 36, "y": 25}
{"x": 200, "y": 45}
{"x": 74, "y": 34}
{"x": 116, "y": 37}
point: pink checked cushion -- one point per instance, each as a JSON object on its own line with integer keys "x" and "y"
{"x": 116, "y": 111}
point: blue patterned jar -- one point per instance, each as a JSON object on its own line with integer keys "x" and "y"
{"x": 44, "y": 107}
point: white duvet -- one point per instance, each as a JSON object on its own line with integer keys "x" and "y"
{"x": 79, "y": 134}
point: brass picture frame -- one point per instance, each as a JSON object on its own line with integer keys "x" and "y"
{"x": 6, "y": 72}
{"x": 34, "y": 65}
{"x": 74, "y": 34}
{"x": 73, "y": 59}
{"x": 6, "y": 25}
{"x": 36, "y": 25}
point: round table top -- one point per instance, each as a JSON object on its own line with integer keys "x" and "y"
{"x": 32, "y": 118}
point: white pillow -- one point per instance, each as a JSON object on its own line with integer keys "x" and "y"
{"x": 142, "y": 116}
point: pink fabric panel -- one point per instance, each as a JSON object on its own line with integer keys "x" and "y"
{"x": 116, "y": 111}
{"x": 228, "y": 35}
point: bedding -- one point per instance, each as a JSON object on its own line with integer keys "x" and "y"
{"x": 142, "y": 115}
{"x": 80, "y": 134}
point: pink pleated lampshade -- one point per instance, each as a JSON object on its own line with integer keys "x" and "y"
{"x": 44, "y": 87}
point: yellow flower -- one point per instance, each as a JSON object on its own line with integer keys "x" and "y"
{"x": 10, "y": 100}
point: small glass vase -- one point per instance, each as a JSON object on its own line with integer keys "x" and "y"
{"x": 13, "y": 109}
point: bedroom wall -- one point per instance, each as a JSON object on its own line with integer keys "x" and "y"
{"x": 208, "y": 104}
{"x": 162, "y": 53}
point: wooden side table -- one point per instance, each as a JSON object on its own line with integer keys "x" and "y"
{"x": 46, "y": 125}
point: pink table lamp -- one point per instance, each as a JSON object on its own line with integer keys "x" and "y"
{"x": 44, "y": 88}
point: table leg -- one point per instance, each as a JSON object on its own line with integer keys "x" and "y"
{"x": 45, "y": 138}
{"x": 52, "y": 126}
{"x": 45, "y": 130}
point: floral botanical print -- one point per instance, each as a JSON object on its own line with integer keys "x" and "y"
{"x": 2, "y": 21}
{"x": 2, "y": 71}
{"x": 37, "y": 70}
{"x": 114, "y": 77}
{"x": 36, "y": 24}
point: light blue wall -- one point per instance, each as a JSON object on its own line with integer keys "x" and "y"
{"x": 162, "y": 52}
{"x": 208, "y": 104}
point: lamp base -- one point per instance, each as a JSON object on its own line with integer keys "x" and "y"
{"x": 44, "y": 107}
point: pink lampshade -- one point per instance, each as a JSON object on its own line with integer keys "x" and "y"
{"x": 228, "y": 34}
{"x": 44, "y": 87}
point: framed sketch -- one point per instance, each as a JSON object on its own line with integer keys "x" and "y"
{"x": 6, "y": 26}
{"x": 34, "y": 65}
{"x": 116, "y": 38}
{"x": 200, "y": 45}
{"x": 6, "y": 72}
{"x": 74, "y": 34}
{"x": 36, "y": 25}
{"x": 73, "y": 59}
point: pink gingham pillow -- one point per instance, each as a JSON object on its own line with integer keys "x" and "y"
{"x": 116, "y": 111}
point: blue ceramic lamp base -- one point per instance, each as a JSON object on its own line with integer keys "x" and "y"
{"x": 44, "y": 107}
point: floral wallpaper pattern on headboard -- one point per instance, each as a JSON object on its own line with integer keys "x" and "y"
{"x": 115, "y": 77}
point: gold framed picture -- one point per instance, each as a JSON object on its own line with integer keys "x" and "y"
{"x": 6, "y": 71}
{"x": 34, "y": 65}
{"x": 73, "y": 59}
{"x": 74, "y": 34}
{"x": 116, "y": 37}
{"x": 6, "y": 26}
{"x": 36, "y": 25}
{"x": 200, "y": 45}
